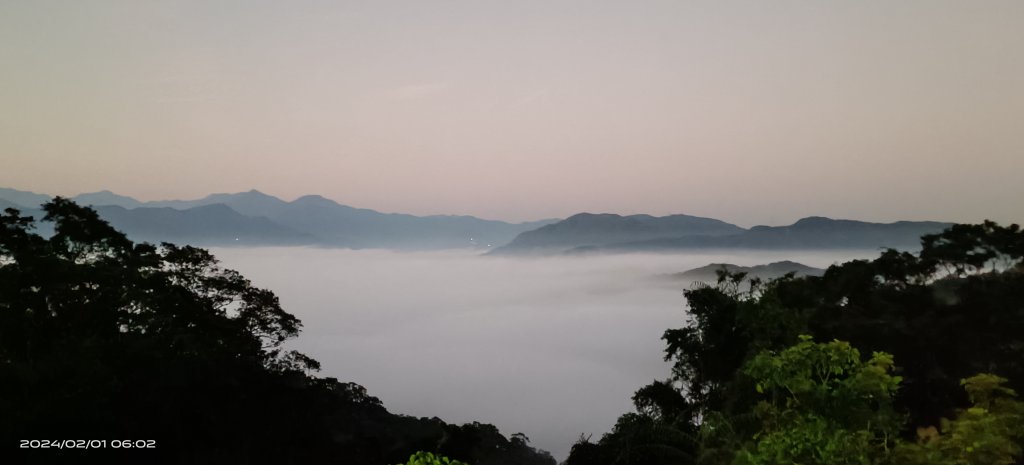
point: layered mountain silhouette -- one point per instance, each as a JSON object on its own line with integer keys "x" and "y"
{"x": 808, "y": 233}
{"x": 103, "y": 198}
{"x": 255, "y": 218}
{"x": 589, "y": 233}
{"x": 22, "y": 199}
{"x": 709, "y": 273}
{"x": 5, "y": 204}
{"x": 215, "y": 224}
{"x": 591, "y": 230}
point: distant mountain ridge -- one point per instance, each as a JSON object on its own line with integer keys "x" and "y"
{"x": 808, "y": 233}
{"x": 608, "y": 233}
{"x": 5, "y": 204}
{"x": 206, "y": 225}
{"x": 709, "y": 273}
{"x": 595, "y": 230}
{"x": 106, "y": 197}
{"x": 255, "y": 218}
{"x": 23, "y": 199}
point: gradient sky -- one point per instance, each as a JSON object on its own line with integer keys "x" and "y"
{"x": 753, "y": 112}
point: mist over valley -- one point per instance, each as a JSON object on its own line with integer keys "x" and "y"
{"x": 549, "y": 346}
{"x": 545, "y": 328}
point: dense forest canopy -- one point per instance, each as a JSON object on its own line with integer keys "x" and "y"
{"x": 926, "y": 359}
{"x": 105, "y": 338}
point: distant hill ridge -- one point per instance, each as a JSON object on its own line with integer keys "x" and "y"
{"x": 23, "y": 199}
{"x": 255, "y": 218}
{"x": 215, "y": 224}
{"x": 590, "y": 230}
{"x": 605, "y": 233}
{"x": 709, "y": 273}
{"x": 806, "y": 234}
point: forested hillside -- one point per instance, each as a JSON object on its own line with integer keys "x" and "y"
{"x": 905, "y": 359}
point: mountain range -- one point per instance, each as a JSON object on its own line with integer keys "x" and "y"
{"x": 588, "y": 233}
{"x": 256, "y": 219}
{"x": 806, "y": 234}
{"x": 589, "y": 229}
{"x": 709, "y": 273}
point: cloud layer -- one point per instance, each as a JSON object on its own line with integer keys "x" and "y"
{"x": 551, "y": 347}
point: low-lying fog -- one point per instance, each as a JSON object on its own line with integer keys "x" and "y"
{"x": 551, "y": 347}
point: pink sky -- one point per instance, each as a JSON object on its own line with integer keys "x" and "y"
{"x": 752, "y": 112}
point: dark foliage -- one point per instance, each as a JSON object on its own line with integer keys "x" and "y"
{"x": 104, "y": 338}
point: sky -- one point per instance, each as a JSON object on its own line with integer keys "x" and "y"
{"x": 749, "y": 111}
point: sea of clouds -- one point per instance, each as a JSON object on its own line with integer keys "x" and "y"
{"x": 553, "y": 347}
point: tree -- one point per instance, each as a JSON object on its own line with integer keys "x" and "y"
{"x": 988, "y": 433}
{"x": 971, "y": 248}
{"x": 427, "y": 458}
{"x": 823, "y": 406}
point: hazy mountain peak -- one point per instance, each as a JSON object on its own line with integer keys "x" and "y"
{"x": 314, "y": 199}
{"x": 814, "y": 220}
{"x": 106, "y": 197}
{"x": 249, "y": 194}
{"x": 23, "y": 198}
{"x": 585, "y": 215}
{"x": 709, "y": 273}
{"x": 597, "y": 229}
{"x": 257, "y": 194}
{"x": 817, "y": 222}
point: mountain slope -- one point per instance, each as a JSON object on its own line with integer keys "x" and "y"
{"x": 5, "y": 204}
{"x": 709, "y": 273}
{"x": 268, "y": 220}
{"x": 337, "y": 225}
{"x": 808, "y": 233}
{"x": 25, "y": 199}
{"x": 106, "y": 197}
{"x": 251, "y": 203}
{"x": 205, "y": 225}
{"x": 595, "y": 230}
{"x": 341, "y": 225}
